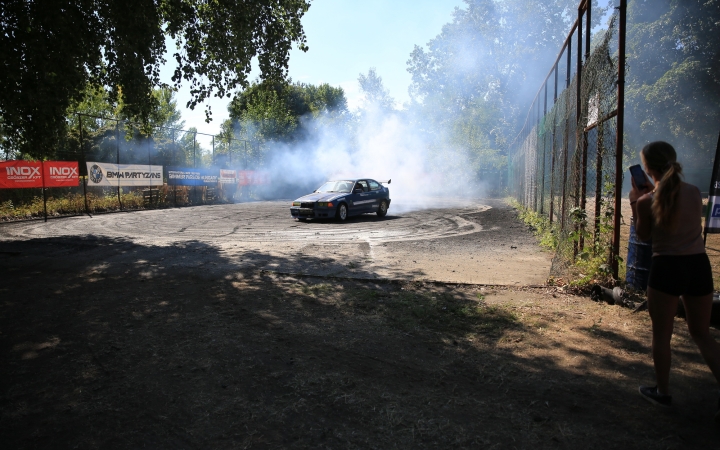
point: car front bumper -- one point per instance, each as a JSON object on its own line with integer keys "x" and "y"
{"x": 298, "y": 212}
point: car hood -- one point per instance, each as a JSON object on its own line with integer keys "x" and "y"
{"x": 320, "y": 197}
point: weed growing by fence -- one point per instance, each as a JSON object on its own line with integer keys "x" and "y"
{"x": 546, "y": 233}
{"x": 69, "y": 205}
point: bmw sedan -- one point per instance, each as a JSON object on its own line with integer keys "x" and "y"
{"x": 342, "y": 199}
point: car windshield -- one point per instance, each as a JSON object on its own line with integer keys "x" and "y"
{"x": 336, "y": 186}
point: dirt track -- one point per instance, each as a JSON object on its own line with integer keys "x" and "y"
{"x": 471, "y": 242}
{"x": 194, "y": 329}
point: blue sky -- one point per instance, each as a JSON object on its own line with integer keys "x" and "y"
{"x": 346, "y": 38}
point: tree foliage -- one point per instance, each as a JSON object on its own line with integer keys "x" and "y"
{"x": 673, "y": 78}
{"x": 473, "y": 81}
{"x": 285, "y": 111}
{"x": 52, "y": 49}
{"x": 375, "y": 93}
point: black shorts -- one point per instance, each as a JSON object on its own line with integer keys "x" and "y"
{"x": 681, "y": 274}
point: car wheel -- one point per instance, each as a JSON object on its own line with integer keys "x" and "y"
{"x": 382, "y": 209}
{"x": 342, "y": 212}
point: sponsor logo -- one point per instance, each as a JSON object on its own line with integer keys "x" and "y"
{"x": 717, "y": 185}
{"x": 66, "y": 172}
{"x": 716, "y": 211}
{"x": 14, "y": 173}
{"x": 131, "y": 175}
{"x": 96, "y": 174}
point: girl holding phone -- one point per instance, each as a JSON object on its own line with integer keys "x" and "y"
{"x": 669, "y": 213}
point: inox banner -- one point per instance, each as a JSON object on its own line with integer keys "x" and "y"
{"x": 108, "y": 174}
{"x": 37, "y": 174}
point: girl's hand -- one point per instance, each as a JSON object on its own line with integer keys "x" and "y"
{"x": 636, "y": 192}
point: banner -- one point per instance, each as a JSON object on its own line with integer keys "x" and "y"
{"x": 20, "y": 174}
{"x": 61, "y": 173}
{"x": 228, "y": 176}
{"x": 712, "y": 219}
{"x": 107, "y": 174}
{"x": 182, "y": 176}
{"x": 253, "y": 177}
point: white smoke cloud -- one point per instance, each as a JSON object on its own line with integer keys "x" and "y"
{"x": 381, "y": 145}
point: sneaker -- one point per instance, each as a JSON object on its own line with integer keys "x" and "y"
{"x": 652, "y": 395}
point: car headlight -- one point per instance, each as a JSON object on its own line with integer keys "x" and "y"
{"x": 296, "y": 203}
{"x": 325, "y": 204}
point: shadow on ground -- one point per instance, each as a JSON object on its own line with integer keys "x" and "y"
{"x": 108, "y": 344}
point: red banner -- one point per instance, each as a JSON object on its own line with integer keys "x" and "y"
{"x": 20, "y": 174}
{"x": 29, "y": 174}
{"x": 252, "y": 177}
{"x": 61, "y": 173}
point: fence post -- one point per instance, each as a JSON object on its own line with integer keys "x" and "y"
{"x": 619, "y": 138}
{"x": 174, "y": 147}
{"x": 194, "y": 163}
{"x": 552, "y": 149}
{"x": 544, "y": 157}
{"x": 598, "y": 183}
{"x": 42, "y": 168}
{"x": 581, "y": 136}
{"x": 82, "y": 151}
{"x": 565, "y": 138}
{"x": 150, "y": 170}
{"x": 117, "y": 153}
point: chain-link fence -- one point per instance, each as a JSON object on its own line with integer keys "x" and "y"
{"x": 93, "y": 138}
{"x": 563, "y": 164}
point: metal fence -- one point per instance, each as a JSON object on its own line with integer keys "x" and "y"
{"x": 111, "y": 140}
{"x": 566, "y": 163}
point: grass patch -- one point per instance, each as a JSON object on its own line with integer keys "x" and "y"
{"x": 69, "y": 205}
{"x": 442, "y": 312}
{"x": 316, "y": 290}
{"x": 589, "y": 266}
{"x": 546, "y": 232}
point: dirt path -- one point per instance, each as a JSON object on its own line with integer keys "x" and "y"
{"x": 474, "y": 242}
{"x": 116, "y": 342}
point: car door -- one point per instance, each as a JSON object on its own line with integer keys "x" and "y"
{"x": 376, "y": 194}
{"x": 361, "y": 201}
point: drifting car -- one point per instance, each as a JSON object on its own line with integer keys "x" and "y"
{"x": 343, "y": 198}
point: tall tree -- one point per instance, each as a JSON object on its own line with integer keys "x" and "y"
{"x": 473, "y": 82}
{"x": 285, "y": 111}
{"x": 673, "y": 77}
{"x": 51, "y": 49}
{"x": 375, "y": 93}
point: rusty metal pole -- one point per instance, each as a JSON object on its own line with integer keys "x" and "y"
{"x": 588, "y": 28}
{"x": 582, "y": 134}
{"x": 619, "y": 138}
{"x": 117, "y": 156}
{"x": 552, "y": 149}
{"x": 194, "y": 163}
{"x": 565, "y": 139}
{"x": 544, "y": 157}
{"x": 174, "y": 147}
{"x": 598, "y": 183}
{"x": 42, "y": 172}
{"x": 84, "y": 161}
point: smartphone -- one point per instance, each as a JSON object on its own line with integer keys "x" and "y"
{"x": 639, "y": 176}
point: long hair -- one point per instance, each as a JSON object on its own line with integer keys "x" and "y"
{"x": 661, "y": 157}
